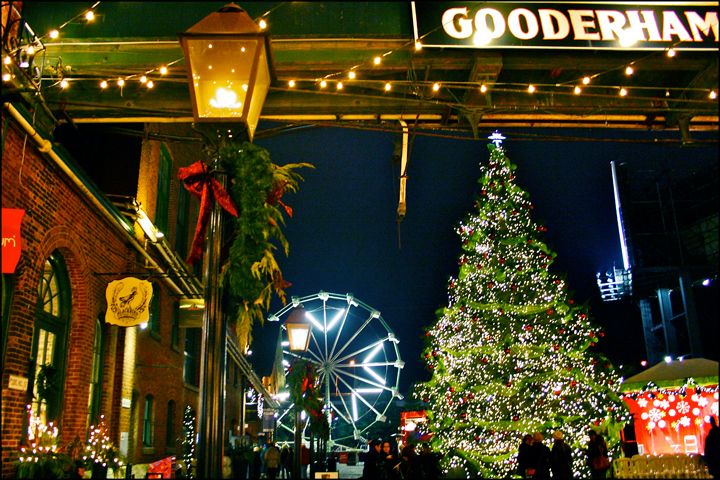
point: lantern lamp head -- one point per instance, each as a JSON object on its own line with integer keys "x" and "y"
{"x": 229, "y": 67}
{"x": 298, "y": 330}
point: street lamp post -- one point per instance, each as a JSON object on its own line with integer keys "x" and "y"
{"x": 229, "y": 70}
{"x": 298, "y": 332}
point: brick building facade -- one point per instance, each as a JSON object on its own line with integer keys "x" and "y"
{"x": 76, "y": 240}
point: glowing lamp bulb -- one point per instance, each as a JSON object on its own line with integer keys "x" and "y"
{"x": 352, "y": 74}
{"x": 671, "y": 52}
{"x": 577, "y": 90}
{"x": 150, "y": 84}
{"x": 64, "y": 84}
{"x": 103, "y": 84}
{"x": 712, "y": 95}
{"x": 418, "y": 46}
{"x": 143, "y": 79}
{"x": 629, "y": 70}
{"x": 483, "y": 88}
{"x": 531, "y": 88}
{"x": 388, "y": 87}
{"x": 436, "y": 87}
{"x": 339, "y": 85}
{"x": 54, "y": 34}
{"x": 623, "y": 92}
{"x": 120, "y": 82}
{"x": 291, "y": 83}
{"x": 586, "y": 80}
{"x": 224, "y": 98}
{"x": 89, "y": 15}
{"x": 163, "y": 70}
{"x": 262, "y": 24}
{"x": 377, "y": 60}
{"x": 323, "y": 84}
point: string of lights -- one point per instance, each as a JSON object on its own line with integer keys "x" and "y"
{"x": 352, "y": 76}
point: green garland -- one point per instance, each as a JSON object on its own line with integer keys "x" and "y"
{"x": 251, "y": 274}
{"x": 304, "y": 393}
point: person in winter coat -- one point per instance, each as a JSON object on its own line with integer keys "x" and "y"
{"x": 370, "y": 467}
{"x": 597, "y": 455}
{"x": 388, "y": 464}
{"x": 560, "y": 457}
{"x": 526, "y": 469}
{"x": 540, "y": 457}
{"x": 272, "y": 460}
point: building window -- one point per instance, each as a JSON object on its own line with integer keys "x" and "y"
{"x": 170, "y": 427}
{"x": 191, "y": 367}
{"x": 147, "y": 432}
{"x": 175, "y": 332}
{"x": 154, "y": 321}
{"x": 181, "y": 233}
{"x": 7, "y": 290}
{"x": 48, "y": 352}
{"x": 162, "y": 200}
{"x": 96, "y": 377}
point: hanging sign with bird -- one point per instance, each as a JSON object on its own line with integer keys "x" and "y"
{"x": 128, "y": 300}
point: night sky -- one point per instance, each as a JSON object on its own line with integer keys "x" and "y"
{"x": 344, "y": 236}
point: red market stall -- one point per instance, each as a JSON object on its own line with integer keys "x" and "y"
{"x": 672, "y": 403}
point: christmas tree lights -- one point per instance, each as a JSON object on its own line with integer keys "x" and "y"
{"x": 511, "y": 353}
{"x": 99, "y": 450}
{"x": 41, "y": 458}
{"x": 188, "y": 442}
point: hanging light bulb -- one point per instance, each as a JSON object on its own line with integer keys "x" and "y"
{"x": 143, "y": 79}
{"x": 323, "y": 84}
{"x": 577, "y": 90}
{"x": 418, "y": 45}
{"x": 531, "y": 88}
{"x": 64, "y": 84}
{"x": 586, "y": 80}
{"x": 339, "y": 85}
{"x": 388, "y": 87}
{"x": 89, "y": 15}
{"x": 629, "y": 70}
{"x": 103, "y": 84}
{"x": 377, "y": 60}
{"x": 150, "y": 84}
{"x": 351, "y": 75}
{"x": 120, "y": 82}
{"x": 671, "y": 52}
{"x": 483, "y": 88}
{"x": 291, "y": 83}
{"x": 712, "y": 95}
{"x": 54, "y": 34}
{"x": 623, "y": 92}
{"x": 436, "y": 87}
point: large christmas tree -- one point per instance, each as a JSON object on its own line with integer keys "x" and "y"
{"x": 512, "y": 353}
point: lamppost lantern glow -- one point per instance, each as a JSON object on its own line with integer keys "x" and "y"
{"x": 229, "y": 67}
{"x": 298, "y": 330}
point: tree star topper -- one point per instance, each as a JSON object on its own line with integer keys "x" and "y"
{"x": 496, "y": 138}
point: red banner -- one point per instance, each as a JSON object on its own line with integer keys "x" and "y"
{"x": 11, "y": 241}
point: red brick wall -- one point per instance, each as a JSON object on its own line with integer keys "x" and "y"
{"x": 57, "y": 218}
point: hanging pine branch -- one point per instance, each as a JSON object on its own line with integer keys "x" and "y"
{"x": 251, "y": 274}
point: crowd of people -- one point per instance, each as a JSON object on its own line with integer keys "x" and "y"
{"x": 537, "y": 461}
{"x": 383, "y": 462}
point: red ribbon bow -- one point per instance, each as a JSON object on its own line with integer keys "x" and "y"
{"x": 200, "y": 182}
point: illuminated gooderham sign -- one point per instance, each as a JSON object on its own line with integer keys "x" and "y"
{"x": 567, "y": 25}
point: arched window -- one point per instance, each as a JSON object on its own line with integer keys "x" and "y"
{"x": 147, "y": 432}
{"x": 96, "y": 377}
{"x": 170, "y": 426}
{"x": 49, "y": 340}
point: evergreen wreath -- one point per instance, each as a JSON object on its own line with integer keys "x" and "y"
{"x": 305, "y": 395}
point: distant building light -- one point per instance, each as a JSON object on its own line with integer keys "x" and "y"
{"x": 706, "y": 282}
{"x": 668, "y": 359}
{"x": 643, "y": 363}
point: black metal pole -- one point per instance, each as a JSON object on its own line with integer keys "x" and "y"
{"x": 298, "y": 444}
{"x": 212, "y": 378}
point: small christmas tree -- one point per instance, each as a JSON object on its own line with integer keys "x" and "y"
{"x": 41, "y": 458}
{"x": 100, "y": 452}
{"x": 188, "y": 441}
{"x": 512, "y": 354}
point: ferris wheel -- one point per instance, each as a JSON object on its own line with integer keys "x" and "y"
{"x": 357, "y": 362}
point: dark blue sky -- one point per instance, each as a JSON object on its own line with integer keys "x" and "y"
{"x": 344, "y": 235}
